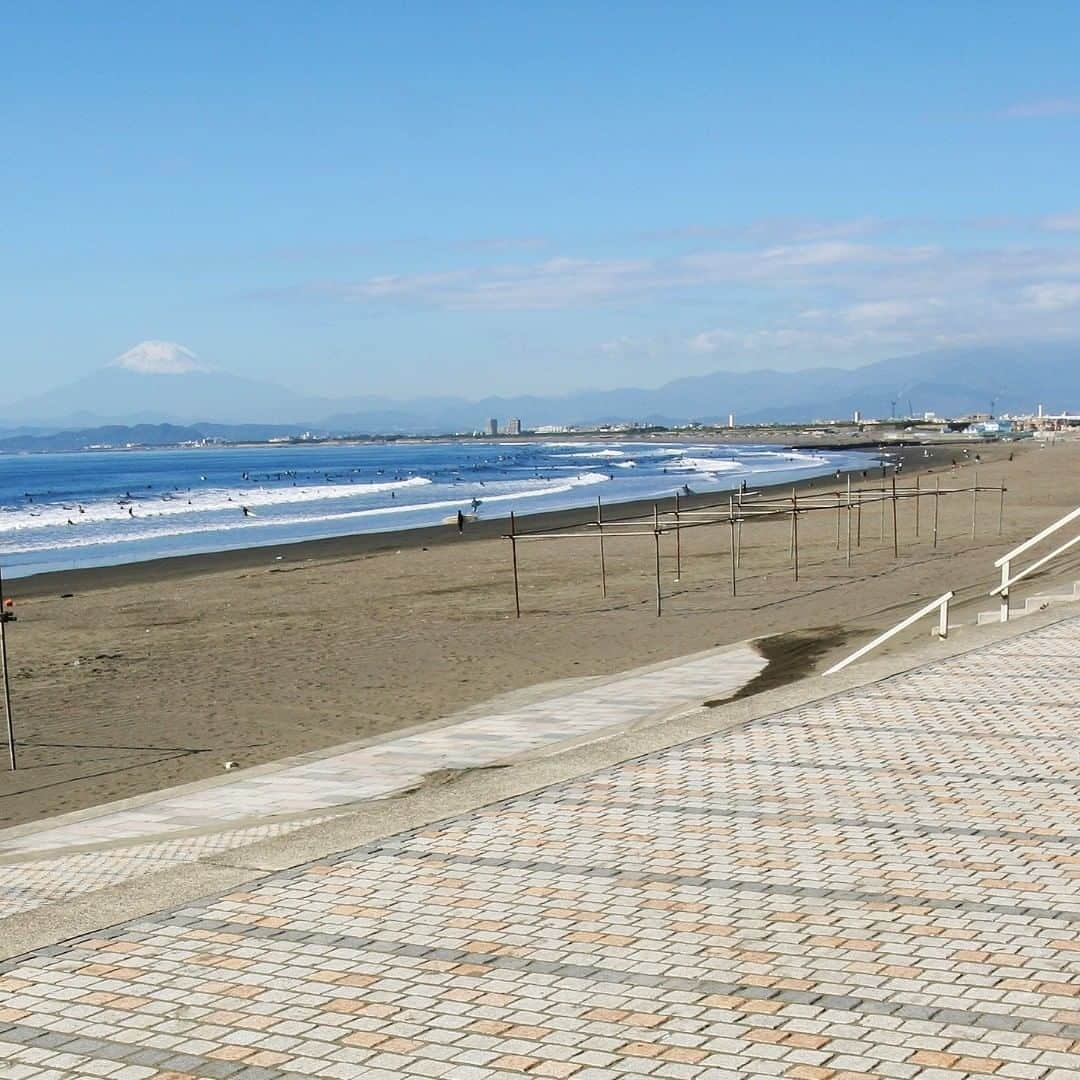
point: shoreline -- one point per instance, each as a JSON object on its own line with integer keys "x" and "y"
{"x": 357, "y": 545}
{"x": 134, "y": 678}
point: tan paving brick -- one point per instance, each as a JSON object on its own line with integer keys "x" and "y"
{"x": 872, "y": 885}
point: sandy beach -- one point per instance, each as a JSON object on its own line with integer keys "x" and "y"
{"x": 130, "y": 679}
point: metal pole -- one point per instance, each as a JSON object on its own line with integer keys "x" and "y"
{"x": 603, "y": 561}
{"x": 513, "y": 556}
{"x": 858, "y": 515}
{"x": 7, "y": 685}
{"x": 937, "y": 505}
{"x": 881, "y": 531}
{"x": 656, "y": 538}
{"x": 678, "y": 541}
{"x": 895, "y": 536}
{"x": 918, "y": 503}
{"x": 838, "y": 516}
{"x": 1001, "y": 510}
{"x": 974, "y": 504}
{"x": 849, "y": 521}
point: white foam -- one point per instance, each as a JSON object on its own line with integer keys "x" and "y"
{"x": 707, "y": 466}
{"x": 606, "y": 453}
{"x": 144, "y": 529}
{"x": 54, "y": 515}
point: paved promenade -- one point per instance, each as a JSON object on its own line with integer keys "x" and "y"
{"x": 81, "y": 852}
{"x": 881, "y": 883}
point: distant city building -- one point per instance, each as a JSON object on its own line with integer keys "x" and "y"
{"x": 552, "y": 429}
{"x": 990, "y": 427}
{"x": 513, "y": 426}
{"x": 856, "y": 416}
{"x": 493, "y": 426}
{"x": 730, "y": 419}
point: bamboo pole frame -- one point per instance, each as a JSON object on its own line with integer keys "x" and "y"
{"x": 848, "y": 558}
{"x": 9, "y": 716}
{"x": 513, "y": 551}
{"x": 937, "y": 507}
{"x": 734, "y": 515}
{"x": 895, "y": 529}
{"x": 656, "y": 538}
{"x": 795, "y": 532}
{"x": 603, "y": 560}
{"x": 975, "y": 505}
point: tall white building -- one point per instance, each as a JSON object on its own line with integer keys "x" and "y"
{"x": 513, "y": 426}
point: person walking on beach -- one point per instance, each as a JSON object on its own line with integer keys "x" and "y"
{"x": 460, "y": 522}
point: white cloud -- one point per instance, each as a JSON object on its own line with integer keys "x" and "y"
{"x": 1033, "y": 110}
{"x": 159, "y": 358}
{"x": 888, "y": 312}
{"x": 1053, "y": 295}
{"x": 1062, "y": 222}
{"x": 799, "y": 302}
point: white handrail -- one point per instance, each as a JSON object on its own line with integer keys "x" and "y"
{"x": 941, "y": 602}
{"x": 1005, "y": 562}
{"x": 1059, "y": 524}
{"x": 1036, "y": 565}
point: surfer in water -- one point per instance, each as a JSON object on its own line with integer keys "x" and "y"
{"x": 475, "y": 505}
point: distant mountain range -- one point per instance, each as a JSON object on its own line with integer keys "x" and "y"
{"x": 949, "y": 382}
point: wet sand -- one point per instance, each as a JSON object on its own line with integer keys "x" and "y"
{"x": 157, "y": 673}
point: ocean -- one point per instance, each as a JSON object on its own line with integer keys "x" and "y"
{"x": 62, "y": 511}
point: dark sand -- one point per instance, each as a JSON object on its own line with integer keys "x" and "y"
{"x": 156, "y": 673}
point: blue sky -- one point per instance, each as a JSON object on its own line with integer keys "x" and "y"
{"x": 471, "y": 197}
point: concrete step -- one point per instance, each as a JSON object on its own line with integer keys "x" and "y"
{"x": 1032, "y": 604}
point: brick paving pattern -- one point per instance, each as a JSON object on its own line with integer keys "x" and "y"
{"x": 880, "y": 884}
{"x": 82, "y": 852}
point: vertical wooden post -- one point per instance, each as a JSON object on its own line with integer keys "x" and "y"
{"x": 937, "y": 505}
{"x": 603, "y": 561}
{"x": 918, "y": 504}
{"x": 848, "y": 560}
{"x": 513, "y": 555}
{"x": 881, "y": 529}
{"x": 895, "y": 534}
{"x": 795, "y": 531}
{"x": 7, "y": 685}
{"x": 1001, "y": 510}
{"x": 734, "y": 557}
{"x": 838, "y": 517}
{"x": 656, "y": 538}
{"x": 738, "y": 534}
{"x": 791, "y": 537}
{"x": 678, "y": 541}
{"x": 974, "y": 504}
